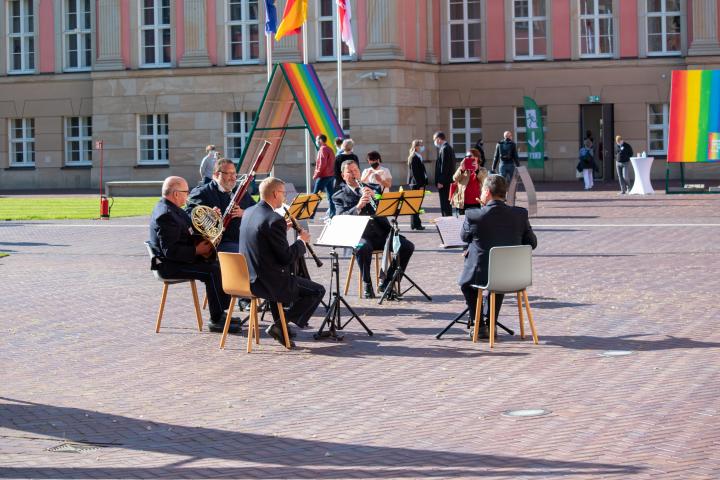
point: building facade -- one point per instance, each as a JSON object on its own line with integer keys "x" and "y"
{"x": 157, "y": 80}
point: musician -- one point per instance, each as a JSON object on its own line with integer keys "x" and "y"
{"x": 177, "y": 255}
{"x": 352, "y": 199}
{"x": 496, "y": 224}
{"x": 270, "y": 260}
{"x": 218, "y": 193}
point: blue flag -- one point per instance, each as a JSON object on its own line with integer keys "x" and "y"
{"x": 270, "y": 17}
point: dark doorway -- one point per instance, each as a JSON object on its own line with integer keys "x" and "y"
{"x": 596, "y": 122}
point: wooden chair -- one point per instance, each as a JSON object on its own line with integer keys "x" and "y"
{"x": 236, "y": 283}
{"x": 377, "y": 254}
{"x": 509, "y": 271}
{"x": 166, "y": 284}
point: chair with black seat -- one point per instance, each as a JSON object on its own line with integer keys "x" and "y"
{"x": 166, "y": 284}
{"x": 236, "y": 283}
{"x": 509, "y": 271}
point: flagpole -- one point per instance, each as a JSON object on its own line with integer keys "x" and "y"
{"x": 338, "y": 49}
{"x": 308, "y": 140}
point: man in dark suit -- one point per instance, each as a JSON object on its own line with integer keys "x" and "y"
{"x": 217, "y": 194}
{"x": 352, "y": 199}
{"x": 494, "y": 225}
{"x": 263, "y": 241}
{"x": 177, "y": 255}
{"x": 444, "y": 170}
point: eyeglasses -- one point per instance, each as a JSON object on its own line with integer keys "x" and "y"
{"x": 183, "y": 191}
{"x": 229, "y": 173}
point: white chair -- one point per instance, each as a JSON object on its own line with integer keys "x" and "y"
{"x": 166, "y": 284}
{"x": 509, "y": 271}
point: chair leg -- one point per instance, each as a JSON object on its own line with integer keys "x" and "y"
{"x": 377, "y": 269}
{"x": 478, "y": 316}
{"x": 530, "y": 317}
{"x": 283, "y": 324}
{"x": 520, "y": 313}
{"x": 205, "y": 302}
{"x": 162, "y": 307}
{"x": 228, "y": 318}
{"x": 197, "y": 305}
{"x": 349, "y": 274}
{"x": 492, "y": 319}
{"x": 252, "y": 331}
{"x": 257, "y": 321}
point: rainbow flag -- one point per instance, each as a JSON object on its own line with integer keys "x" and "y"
{"x": 694, "y": 128}
{"x": 312, "y": 100}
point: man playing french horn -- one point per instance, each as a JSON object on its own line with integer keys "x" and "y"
{"x": 354, "y": 198}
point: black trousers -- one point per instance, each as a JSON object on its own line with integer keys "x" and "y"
{"x": 309, "y": 295}
{"x": 470, "y": 295}
{"x": 363, "y": 255}
{"x": 209, "y": 274}
{"x": 415, "y": 222}
{"x": 445, "y": 206}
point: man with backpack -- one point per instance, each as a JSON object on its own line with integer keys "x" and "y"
{"x": 506, "y": 156}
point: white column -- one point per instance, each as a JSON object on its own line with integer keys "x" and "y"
{"x": 705, "y": 29}
{"x": 195, "y": 23}
{"x": 382, "y": 19}
{"x": 109, "y": 46}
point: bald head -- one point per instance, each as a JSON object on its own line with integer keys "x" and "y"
{"x": 175, "y": 189}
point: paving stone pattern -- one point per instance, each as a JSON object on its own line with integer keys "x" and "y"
{"x": 81, "y": 362}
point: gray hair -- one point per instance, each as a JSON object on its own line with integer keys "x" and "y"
{"x": 496, "y": 185}
{"x": 170, "y": 185}
{"x": 269, "y": 185}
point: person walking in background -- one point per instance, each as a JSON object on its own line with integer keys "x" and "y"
{"x": 506, "y": 157}
{"x": 376, "y": 173}
{"x": 338, "y": 145}
{"x": 324, "y": 174}
{"x": 586, "y": 163}
{"x": 345, "y": 154}
{"x": 208, "y": 164}
{"x": 623, "y": 152}
{"x": 444, "y": 169}
{"x": 467, "y": 180}
{"x": 417, "y": 176}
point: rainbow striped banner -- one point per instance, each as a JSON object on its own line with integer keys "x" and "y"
{"x": 694, "y": 129}
{"x": 312, "y": 100}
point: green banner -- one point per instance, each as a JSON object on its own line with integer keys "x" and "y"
{"x": 534, "y": 134}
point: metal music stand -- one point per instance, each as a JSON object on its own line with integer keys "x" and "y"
{"x": 393, "y": 204}
{"x": 342, "y": 231}
{"x": 469, "y": 323}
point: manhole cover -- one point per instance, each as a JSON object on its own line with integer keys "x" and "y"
{"x": 73, "y": 447}
{"x": 616, "y": 353}
{"x": 527, "y": 412}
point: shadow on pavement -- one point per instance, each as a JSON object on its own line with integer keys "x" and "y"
{"x": 625, "y": 342}
{"x": 273, "y": 456}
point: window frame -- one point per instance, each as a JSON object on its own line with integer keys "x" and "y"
{"x": 27, "y": 54}
{"x": 85, "y": 142}
{"x": 333, "y": 19}
{"x": 465, "y": 22}
{"x": 530, "y": 20}
{"x": 156, "y": 138}
{"x": 245, "y": 26}
{"x": 82, "y": 33}
{"x": 596, "y": 17}
{"x": 658, "y": 127}
{"x": 158, "y": 29}
{"x": 27, "y": 142}
{"x": 517, "y": 130}
{"x": 663, "y": 15}
{"x": 467, "y": 130}
{"x": 245, "y": 128}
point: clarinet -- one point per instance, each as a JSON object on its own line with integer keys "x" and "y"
{"x": 297, "y": 228}
{"x": 372, "y": 202}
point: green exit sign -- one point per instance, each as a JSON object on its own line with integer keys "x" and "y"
{"x": 594, "y": 99}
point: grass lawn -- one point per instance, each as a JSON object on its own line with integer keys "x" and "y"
{"x": 3, "y": 254}
{"x": 57, "y": 208}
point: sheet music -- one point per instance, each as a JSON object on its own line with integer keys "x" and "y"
{"x": 449, "y": 229}
{"x": 343, "y": 231}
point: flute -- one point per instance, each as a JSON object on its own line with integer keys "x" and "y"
{"x": 297, "y": 228}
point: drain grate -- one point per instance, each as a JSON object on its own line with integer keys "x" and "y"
{"x": 74, "y": 447}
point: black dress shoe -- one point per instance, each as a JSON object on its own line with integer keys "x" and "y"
{"x": 419, "y": 228}
{"x": 218, "y": 327}
{"x": 369, "y": 291}
{"x": 276, "y": 332}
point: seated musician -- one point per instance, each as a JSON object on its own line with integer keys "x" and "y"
{"x": 218, "y": 193}
{"x": 352, "y": 199}
{"x": 496, "y": 224}
{"x": 271, "y": 260}
{"x": 178, "y": 256}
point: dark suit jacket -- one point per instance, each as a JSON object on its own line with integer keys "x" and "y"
{"x": 171, "y": 236}
{"x": 445, "y": 165}
{"x": 211, "y": 196}
{"x": 417, "y": 175}
{"x": 346, "y": 200}
{"x": 505, "y": 152}
{"x": 495, "y": 225}
{"x": 263, "y": 241}
{"x": 623, "y": 152}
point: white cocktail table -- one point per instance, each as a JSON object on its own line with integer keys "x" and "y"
{"x": 642, "y": 166}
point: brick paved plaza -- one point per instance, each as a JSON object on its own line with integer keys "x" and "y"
{"x": 81, "y": 362}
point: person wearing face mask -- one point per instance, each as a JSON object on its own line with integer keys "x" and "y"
{"x": 417, "y": 176}
{"x": 376, "y": 173}
{"x": 444, "y": 169}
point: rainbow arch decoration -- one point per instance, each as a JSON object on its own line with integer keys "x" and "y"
{"x": 694, "y": 127}
{"x": 291, "y": 87}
